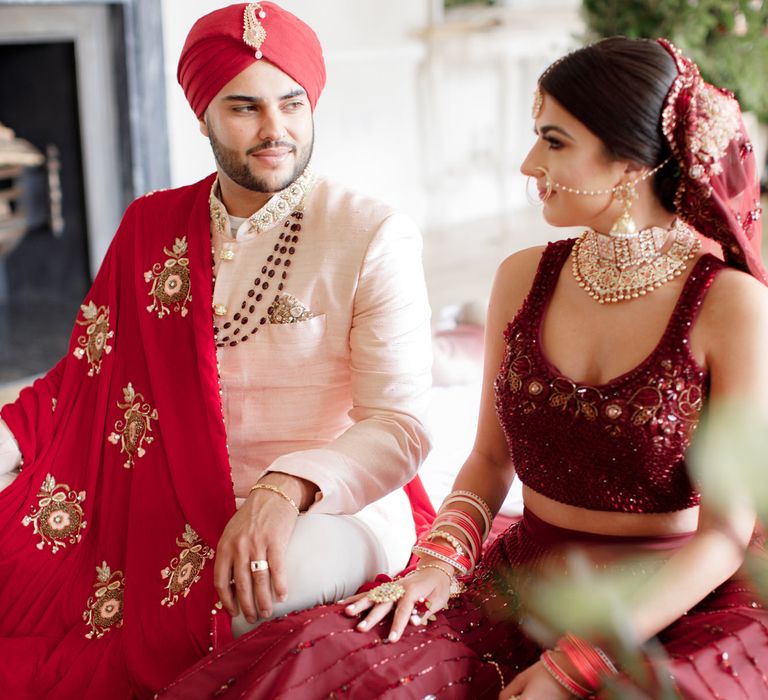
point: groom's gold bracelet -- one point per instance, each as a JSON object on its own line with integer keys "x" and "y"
{"x": 278, "y": 491}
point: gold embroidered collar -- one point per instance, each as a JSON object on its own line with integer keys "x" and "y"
{"x": 279, "y": 206}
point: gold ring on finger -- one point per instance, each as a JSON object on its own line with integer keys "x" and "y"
{"x": 389, "y": 592}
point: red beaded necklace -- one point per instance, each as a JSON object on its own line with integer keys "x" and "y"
{"x": 243, "y": 324}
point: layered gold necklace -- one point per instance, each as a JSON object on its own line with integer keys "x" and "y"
{"x": 613, "y": 268}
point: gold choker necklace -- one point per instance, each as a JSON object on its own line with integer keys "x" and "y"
{"x": 615, "y": 268}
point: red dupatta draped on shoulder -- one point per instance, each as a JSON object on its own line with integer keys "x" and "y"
{"x": 126, "y": 483}
{"x": 125, "y": 487}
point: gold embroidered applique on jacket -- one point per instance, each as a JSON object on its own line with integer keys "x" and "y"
{"x": 94, "y": 345}
{"x": 171, "y": 288}
{"x": 59, "y": 517}
{"x": 132, "y": 432}
{"x": 184, "y": 570}
{"x": 288, "y": 309}
{"x": 104, "y": 609}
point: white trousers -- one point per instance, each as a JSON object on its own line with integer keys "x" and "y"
{"x": 330, "y": 556}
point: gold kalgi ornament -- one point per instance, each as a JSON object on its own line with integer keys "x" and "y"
{"x": 616, "y": 268}
{"x": 254, "y": 33}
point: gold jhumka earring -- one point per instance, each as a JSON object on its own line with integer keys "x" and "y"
{"x": 626, "y": 194}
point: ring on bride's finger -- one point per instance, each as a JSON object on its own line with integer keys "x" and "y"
{"x": 389, "y": 592}
{"x": 259, "y": 565}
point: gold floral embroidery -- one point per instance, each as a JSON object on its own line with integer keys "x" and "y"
{"x": 681, "y": 412}
{"x": 104, "y": 609}
{"x": 646, "y": 403}
{"x": 132, "y": 432}
{"x": 59, "y": 518}
{"x": 585, "y": 399}
{"x": 670, "y": 404}
{"x": 519, "y": 368}
{"x": 716, "y": 126}
{"x": 170, "y": 280}
{"x": 95, "y": 343}
{"x": 275, "y": 210}
{"x": 283, "y": 203}
{"x": 185, "y": 569}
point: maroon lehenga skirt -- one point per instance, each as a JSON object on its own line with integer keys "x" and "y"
{"x": 719, "y": 649}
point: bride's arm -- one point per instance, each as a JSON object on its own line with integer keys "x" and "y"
{"x": 488, "y": 470}
{"x": 733, "y": 331}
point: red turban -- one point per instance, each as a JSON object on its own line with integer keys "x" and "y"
{"x": 225, "y": 42}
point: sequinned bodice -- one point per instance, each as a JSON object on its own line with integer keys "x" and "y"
{"x": 618, "y": 446}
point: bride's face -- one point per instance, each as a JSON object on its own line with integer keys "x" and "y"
{"x": 573, "y": 157}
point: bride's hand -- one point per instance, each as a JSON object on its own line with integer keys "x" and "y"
{"x": 425, "y": 591}
{"x": 534, "y": 683}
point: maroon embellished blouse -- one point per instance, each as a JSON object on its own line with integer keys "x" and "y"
{"x": 618, "y": 446}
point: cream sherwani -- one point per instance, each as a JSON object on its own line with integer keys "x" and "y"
{"x": 336, "y": 399}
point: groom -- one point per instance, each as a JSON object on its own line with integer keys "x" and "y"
{"x": 240, "y": 407}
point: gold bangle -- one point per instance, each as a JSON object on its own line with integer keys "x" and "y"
{"x": 456, "y": 587}
{"x": 455, "y": 542}
{"x": 278, "y": 491}
{"x": 435, "y": 566}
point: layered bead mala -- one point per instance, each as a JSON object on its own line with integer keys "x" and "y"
{"x": 242, "y": 325}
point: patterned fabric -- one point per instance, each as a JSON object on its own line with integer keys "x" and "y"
{"x": 619, "y": 446}
{"x": 92, "y": 558}
{"x": 477, "y": 645}
{"x": 288, "y": 309}
{"x": 719, "y": 189}
{"x": 717, "y": 650}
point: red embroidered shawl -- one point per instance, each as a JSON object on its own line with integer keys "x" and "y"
{"x": 126, "y": 486}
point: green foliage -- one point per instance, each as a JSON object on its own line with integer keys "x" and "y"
{"x": 727, "y": 38}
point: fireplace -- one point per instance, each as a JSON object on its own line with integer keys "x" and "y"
{"x": 83, "y": 83}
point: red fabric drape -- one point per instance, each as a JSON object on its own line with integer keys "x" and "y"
{"x": 136, "y": 516}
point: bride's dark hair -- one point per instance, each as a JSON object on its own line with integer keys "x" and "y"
{"x": 617, "y": 88}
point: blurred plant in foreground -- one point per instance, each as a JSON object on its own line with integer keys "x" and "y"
{"x": 592, "y": 600}
{"x": 729, "y": 459}
{"x": 592, "y": 594}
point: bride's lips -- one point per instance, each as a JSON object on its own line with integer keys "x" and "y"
{"x": 545, "y": 193}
